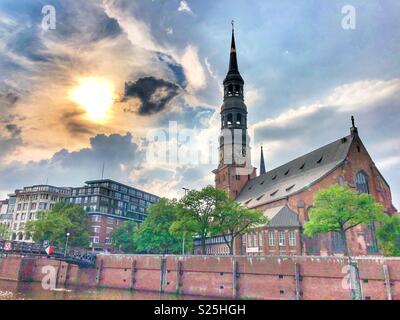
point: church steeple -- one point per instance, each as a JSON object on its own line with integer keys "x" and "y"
{"x": 233, "y": 83}
{"x": 262, "y": 162}
{"x": 233, "y": 65}
{"x": 234, "y": 168}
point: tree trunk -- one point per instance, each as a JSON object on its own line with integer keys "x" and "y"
{"x": 231, "y": 247}
{"x": 203, "y": 245}
{"x": 345, "y": 247}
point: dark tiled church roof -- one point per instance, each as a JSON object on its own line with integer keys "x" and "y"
{"x": 296, "y": 175}
{"x": 282, "y": 216}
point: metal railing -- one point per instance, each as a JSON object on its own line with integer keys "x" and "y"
{"x": 81, "y": 257}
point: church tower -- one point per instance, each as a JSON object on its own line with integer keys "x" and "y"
{"x": 234, "y": 168}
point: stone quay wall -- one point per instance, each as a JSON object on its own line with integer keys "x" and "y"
{"x": 269, "y": 277}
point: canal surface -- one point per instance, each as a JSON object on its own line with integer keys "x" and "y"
{"x": 11, "y": 290}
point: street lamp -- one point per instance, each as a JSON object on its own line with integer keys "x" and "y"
{"x": 186, "y": 190}
{"x": 66, "y": 244}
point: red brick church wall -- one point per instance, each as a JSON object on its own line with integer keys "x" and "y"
{"x": 358, "y": 159}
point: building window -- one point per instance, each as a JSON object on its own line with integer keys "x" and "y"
{"x": 96, "y": 229}
{"x": 238, "y": 118}
{"x": 255, "y": 239}
{"x": 107, "y": 241}
{"x": 271, "y": 238}
{"x": 249, "y": 241}
{"x": 110, "y": 220}
{"x": 260, "y": 239}
{"x": 341, "y": 181}
{"x": 109, "y": 230}
{"x": 95, "y": 240}
{"x": 282, "y": 240}
{"x": 42, "y": 205}
{"x": 96, "y": 218}
{"x": 362, "y": 182}
{"x": 292, "y": 238}
{"x": 337, "y": 242}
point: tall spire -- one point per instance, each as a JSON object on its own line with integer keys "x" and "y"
{"x": 353, "y": 129}
{"x": 233, "y": 65}
{"x": 262, "y": 162}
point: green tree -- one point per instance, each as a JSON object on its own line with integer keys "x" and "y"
{"x": 4, "y": 232}
{"x": 388, "y": 235}
{"x": 53, "y": 225}
{"x": 233, "y": 219}
{"x": 197, "y": 211}
{"x": 155, "y": 234}
{"x": 123, "y": 237}
{"x": 338, "y": 209}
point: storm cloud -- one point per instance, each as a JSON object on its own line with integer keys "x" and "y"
{"x": 8, "y": 99}
{"x": 119, "y": 154}
{"x": 154, "y": 94}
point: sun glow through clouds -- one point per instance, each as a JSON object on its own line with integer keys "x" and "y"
{"x": 95, "y": 96}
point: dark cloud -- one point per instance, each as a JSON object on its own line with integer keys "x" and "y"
{"x": 154, "y": 94}
{"x": 107, "y": 28}
{"x": 74, "y": 22}
{"x": 75, "y": 126}
{"x": 175, "y": 67}
{"x": 11, "y": 140}
{"x": 8, "y": 99}
{"x": 119, "y": 153}
{"x": 13, "y": 129}
{"x": 28, "y": 44}
{"x": 190, "y": 117}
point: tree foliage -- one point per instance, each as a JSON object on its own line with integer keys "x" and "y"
{"x": 338, "y": 209}
{"x": 53, "y": 226}
{"x": 233, "y": 219}
{"x": 4, "y": 232}
{"x": 197, "y": 210}
{"x": 123, "y": 237}
{"x": 388, "y": 235}
{"x": 156, "y": 235}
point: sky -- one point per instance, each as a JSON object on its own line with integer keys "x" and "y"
{"x": 108, "y": 82}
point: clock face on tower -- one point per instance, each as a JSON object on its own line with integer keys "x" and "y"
{"x": 239, "y": 158}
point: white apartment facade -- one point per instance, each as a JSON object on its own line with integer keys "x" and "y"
{"x": 29, "y": 201}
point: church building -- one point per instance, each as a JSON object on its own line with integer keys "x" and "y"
{"x": 285, "y": 194}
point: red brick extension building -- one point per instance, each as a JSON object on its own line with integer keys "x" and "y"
{"x": 285, "y": 194}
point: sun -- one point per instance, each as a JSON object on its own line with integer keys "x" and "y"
{"x": 95, "y": 96}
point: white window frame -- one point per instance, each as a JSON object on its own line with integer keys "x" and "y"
{"x": 292, "y": 238}
{"x": 271, "y": 238}
{"x": 95, "y": 240}
{"x": 282, "y": 238}
{"x": 96, "y": 229}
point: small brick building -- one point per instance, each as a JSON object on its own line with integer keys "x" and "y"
{"x": 285, "y": 194}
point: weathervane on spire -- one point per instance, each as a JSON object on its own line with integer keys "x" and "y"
{"x": 233, "y": 25}
{"x": 352, "y": 121}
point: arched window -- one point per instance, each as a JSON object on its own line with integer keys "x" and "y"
{"x": 230, "y": 89}
{"x": 20, "y": 236}
{"x": 362, "y": 182}
{"x": 230, "y": 119}
{"x": 237, "y": 90}
{"x": 238, "y": 118}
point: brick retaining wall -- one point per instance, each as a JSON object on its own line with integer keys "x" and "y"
{"x": 284, "y": 278}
